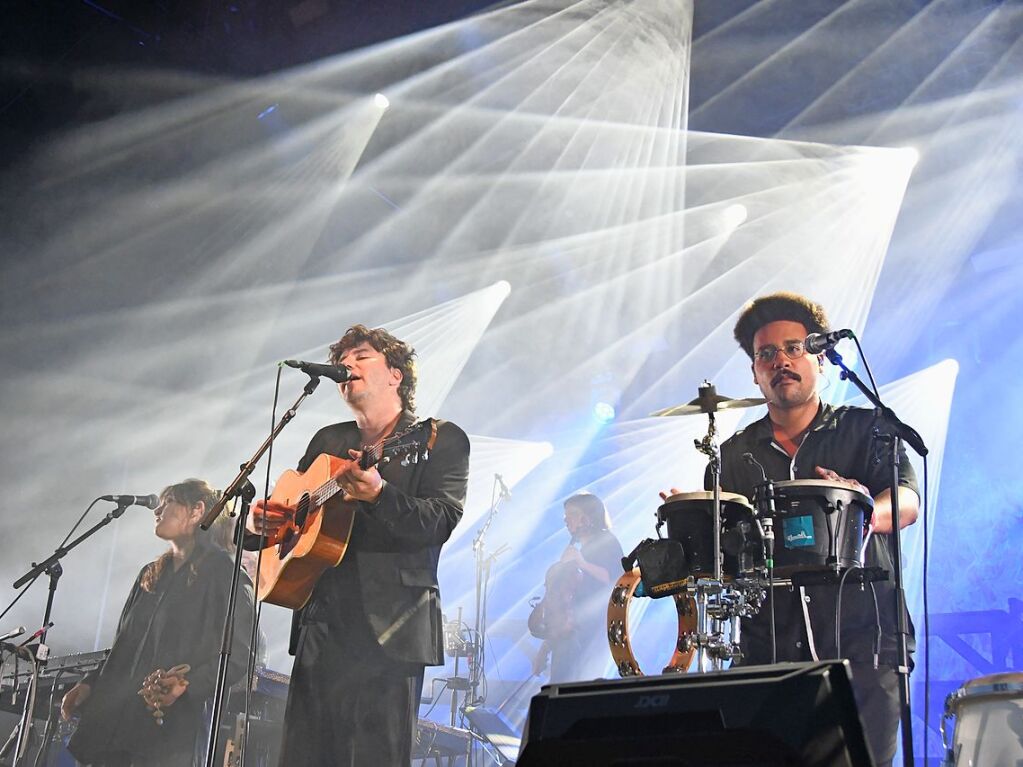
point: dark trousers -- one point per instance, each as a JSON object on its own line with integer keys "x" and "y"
{"x": 348, "y": 705}
{"x": 877, "y": 698}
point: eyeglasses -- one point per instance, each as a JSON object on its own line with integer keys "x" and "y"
{"x": 793, "y": 350}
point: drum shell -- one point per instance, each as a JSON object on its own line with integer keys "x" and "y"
{"x": 988, "y": 712}
{"x": 819, "y": 525}
{"x": 689, "y": 518}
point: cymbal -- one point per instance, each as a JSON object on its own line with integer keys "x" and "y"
{"x": 709, "y": 404}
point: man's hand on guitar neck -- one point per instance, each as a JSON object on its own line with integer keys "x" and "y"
{"x": 358, "y": 484}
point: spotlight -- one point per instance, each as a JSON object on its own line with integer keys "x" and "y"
{"x": 381, "y": 101}
{"x": 734, "y": 215}
{"x": 604, "y": 412}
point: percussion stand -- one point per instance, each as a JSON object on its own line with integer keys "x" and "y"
{"x": 708, "y": 626}
{"x": 899, "y": 432}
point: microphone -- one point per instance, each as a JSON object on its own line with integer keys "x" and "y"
{"x": 816, "y": 343}
{"x": 748, "y": 458}
{"x": 13, "y": 633}
{"x": 505, "y": 492}
{"x": 335, "y": 373}
{"x": 149, "y": 501}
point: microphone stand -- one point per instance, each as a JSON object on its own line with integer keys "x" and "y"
{"x": 245, "y": 496}
{"x": 899, "y": 432}
{"x": 52, "y": 567}
{"x": 483, "y": 564}
{"x": 244, "y": 490}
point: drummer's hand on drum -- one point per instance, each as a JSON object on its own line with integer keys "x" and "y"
{"x": 666, "y": 495}
{"x": 269, "y": 516}
{"x": 834, "y": 477}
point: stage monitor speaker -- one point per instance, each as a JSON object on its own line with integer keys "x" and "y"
{"x": 783, "y": 715}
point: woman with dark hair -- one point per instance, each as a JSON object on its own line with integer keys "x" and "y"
{"x": 167, "y": 642}
{"x": 588, "y": 568}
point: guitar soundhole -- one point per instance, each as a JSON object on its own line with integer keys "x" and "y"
{"x": 290, "y": 538}
{"x": 302, "y": 511}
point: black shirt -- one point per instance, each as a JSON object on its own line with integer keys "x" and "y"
{"x": 840, "y": 439}
{"x": 180, "y": 620}
{"x": 602, "y": 550}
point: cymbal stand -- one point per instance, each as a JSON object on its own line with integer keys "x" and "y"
{"x": 719, "y": 605}
{"x": 709, "y": 633}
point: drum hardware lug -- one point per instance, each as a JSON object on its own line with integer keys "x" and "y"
{"x": 620, "y": 595}
{"x": 627, "y": 669}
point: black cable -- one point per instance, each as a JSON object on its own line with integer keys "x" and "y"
{"x": 927, "y": 630}
{"x": 838, "y": 612}
{"x": 877, "y": 624}
{"x": 770, "y": 596}
{"x": 436, "y": 698}
{"x": 866, "y": 366}
{"x": 257, "y": 605}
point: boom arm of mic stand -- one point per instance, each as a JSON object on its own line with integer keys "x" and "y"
{"x": 238, "y": 483}
{"x": 61, "y": 551}
{"x": 906, "y": 433}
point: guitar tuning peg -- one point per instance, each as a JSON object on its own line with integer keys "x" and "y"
{"x": 415, "y": 458}
{"x": 426, "y": 454}
{"x": 385, "y": 459}
{"x": 404, "y": 461}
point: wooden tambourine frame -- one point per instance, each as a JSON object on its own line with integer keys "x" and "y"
{"x": 618, "y": 633}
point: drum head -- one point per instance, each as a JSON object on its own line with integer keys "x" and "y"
{"x": 822, "y": 488}
{"x": 1005, "y": 685}
{"x": 706, "y": 496}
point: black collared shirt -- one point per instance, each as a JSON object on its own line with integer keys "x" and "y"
{"x": 840, "y": 439}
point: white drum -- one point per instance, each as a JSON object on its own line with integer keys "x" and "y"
{"x": 988, "y": 714}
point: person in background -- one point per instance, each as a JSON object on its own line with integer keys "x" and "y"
{"x": 578, "y": 586}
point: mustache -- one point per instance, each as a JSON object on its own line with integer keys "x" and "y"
{"x": 783, "y": 374}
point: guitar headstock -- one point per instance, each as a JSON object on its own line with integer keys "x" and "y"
{"x": 411, "y": 446}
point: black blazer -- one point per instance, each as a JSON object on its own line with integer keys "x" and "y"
{"x": 396, "y": 542}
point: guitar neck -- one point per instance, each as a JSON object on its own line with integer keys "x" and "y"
{"x": 374, "y": 454}
{"x": 371, "y": 456}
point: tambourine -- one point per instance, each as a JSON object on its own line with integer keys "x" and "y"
{"x": 618, "y": 636}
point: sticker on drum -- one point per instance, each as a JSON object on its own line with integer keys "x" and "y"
{"x": 619, "y": 632}
{"x": 988, "y": 713}
{"x": 820, "y": 524}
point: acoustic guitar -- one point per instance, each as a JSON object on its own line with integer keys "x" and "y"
{"x": 317, "y": 534}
